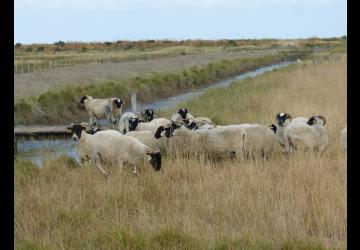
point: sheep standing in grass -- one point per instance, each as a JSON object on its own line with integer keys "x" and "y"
{"x": 311, "y": 135}
{"x": 216, "y": 141}
{"x": 113, "y": 147}
{"x": 110, "y": 108}
{"x": 260, "y": 140}
{"x": 282, "y": 120}
{"x": 343, "y": 138}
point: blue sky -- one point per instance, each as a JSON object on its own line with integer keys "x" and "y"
{"x": 48, "y": 21}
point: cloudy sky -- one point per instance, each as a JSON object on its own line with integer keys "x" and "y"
{"x": 48, "y": 21}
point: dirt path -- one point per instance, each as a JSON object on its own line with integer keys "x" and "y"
{"x": 34, "y": 83}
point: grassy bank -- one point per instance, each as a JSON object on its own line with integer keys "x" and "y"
{"x": 62, "y": 106}
{"x": 294, "y": 203}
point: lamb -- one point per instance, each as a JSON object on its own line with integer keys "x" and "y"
{"x": 343, "y": 138}
{"x": 115, "y": 148}
{"x": 110, "y": 108}
{"x": 311, "y": 135}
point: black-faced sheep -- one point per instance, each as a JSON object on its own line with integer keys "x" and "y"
{"x": 311, "y": 135}
{"x": 109, "y": 108}
{"x": 113, "y": 147}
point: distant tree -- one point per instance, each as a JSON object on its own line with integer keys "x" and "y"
{"x": 60, "y": 43}
{"x": 344, "y": 37}
{"x": 231, "y": 43}
{"x": 150, "y": 41}
{"x": 29, "y": 49}
{"x": 108, "y": 43}
{"x": 17, "y": 45}
{"x": 83, "y": 49}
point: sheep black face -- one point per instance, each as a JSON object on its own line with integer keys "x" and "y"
{"x": 133, "y": 123}
{"x": 273, "y": 128}
{"x": 155, "y": 160}
{"x": 281, "y": 118}
{"x": 118, "y": 102}
{"x": 149, "y": 114}
{"x": 159, "y": 131}
{"x": 83, "y": 99}
{"x": 183, "y": 112}
{"x": 76, "y": 131}
{"x": 316, "y": 119}
{"x": 192, "y": 125}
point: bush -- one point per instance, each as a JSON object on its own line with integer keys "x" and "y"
{"x": 40, "y": 49}
{"x": 17, "y": 45}
{"x": 29, "y": 49}
{"x": 108, "y": 43}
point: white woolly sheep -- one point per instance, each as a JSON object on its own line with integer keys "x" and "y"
{"x": 115, "y": 148}
{"x": 343, "y": 138}
{"x": 260, "y": 139}
{"x": 216, "y": 141}
{"x": 311, "y": 135}
{"x": 110, "y": 108}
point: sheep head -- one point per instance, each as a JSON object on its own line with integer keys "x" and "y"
{"x": 317, "y": 119}
{"x": 183, "y": 112}
{"x": 149, "y": 114}
{"x": 76, "y": 130}
{"x": 118, "y": 102}
{"x": 281, "y": 118}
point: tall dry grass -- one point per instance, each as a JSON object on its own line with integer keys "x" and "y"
{"x": 285, "y": 203}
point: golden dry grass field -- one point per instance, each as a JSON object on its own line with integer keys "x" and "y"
{"x": 297, "y": 202}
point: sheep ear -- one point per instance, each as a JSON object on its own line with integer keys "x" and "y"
{"x": 322, "y": 118}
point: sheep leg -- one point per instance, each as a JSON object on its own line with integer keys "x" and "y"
{"x": 97, "y": 163}
{"x": 133, "y": 168}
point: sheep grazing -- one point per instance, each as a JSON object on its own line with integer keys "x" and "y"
{"x": 311, "y": 135}
{"x": 113, "y": 147}
{"x": 343, "y": 138}
{"x": 110, "y": 108}
{"x": 212, "y": 142}
{"x": 260, "y": 140}
{"x": 282, "y": 120}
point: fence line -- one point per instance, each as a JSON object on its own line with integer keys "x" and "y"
{"x": 25, "y": 67}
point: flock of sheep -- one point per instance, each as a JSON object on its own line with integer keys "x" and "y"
{"x": 134, "y": 136}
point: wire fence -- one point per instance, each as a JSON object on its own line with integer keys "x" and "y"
{"x": 29, "y": 66}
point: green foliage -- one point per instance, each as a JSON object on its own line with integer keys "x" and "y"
{"x": 29, "y": 49}
{"x": 17, "y": 45}
{"x": 107, "y": 43}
